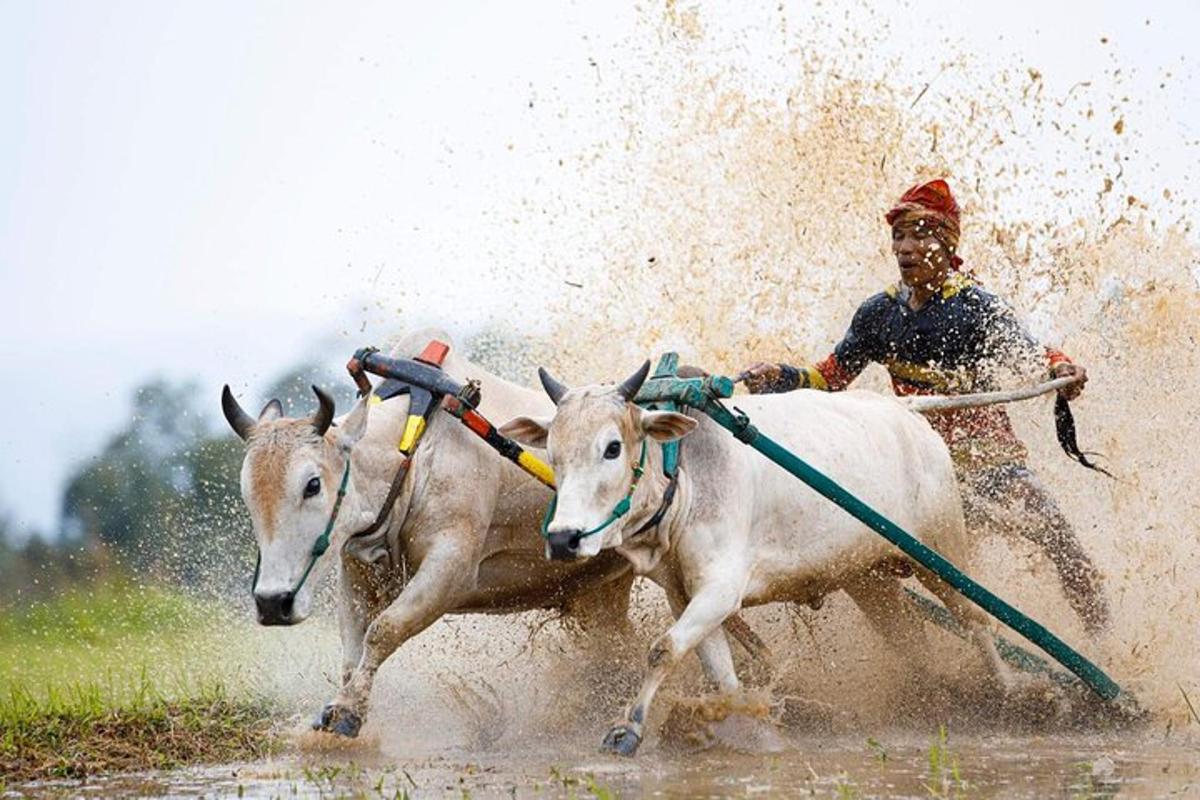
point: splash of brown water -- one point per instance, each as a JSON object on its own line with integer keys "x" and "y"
{"x": 748, "y": 227}
{"x": 733, "y": 212}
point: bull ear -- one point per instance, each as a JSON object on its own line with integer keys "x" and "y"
{"x": 629, "y": 387}
{"x": 666, "y": 426}
{"x": 527, "y": 431}
{"x": 272, "y": 410}
{"x": 354, "y": 425}
{"x": 553, "y": 388}
{"x": 241, "y": 422}
{"x": 324, "y": 416}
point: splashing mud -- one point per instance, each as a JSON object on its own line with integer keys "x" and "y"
{"x": 750, "y": 228}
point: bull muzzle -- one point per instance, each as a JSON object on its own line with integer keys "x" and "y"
{"x": 276, "y": 609}
{"x": 563, "y": 545}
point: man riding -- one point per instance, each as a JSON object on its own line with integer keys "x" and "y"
{"x": 937, "y": 332}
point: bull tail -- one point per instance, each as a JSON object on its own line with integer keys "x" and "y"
{"x": 924, "y": 403}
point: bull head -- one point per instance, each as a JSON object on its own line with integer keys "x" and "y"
{"x": 242, "y": 423}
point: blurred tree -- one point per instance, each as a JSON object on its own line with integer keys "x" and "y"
{"x": 161, "y": 494}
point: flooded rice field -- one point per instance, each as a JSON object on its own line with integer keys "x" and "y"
{"x": 504, "y": 707}
{"x": 895, "y": 764}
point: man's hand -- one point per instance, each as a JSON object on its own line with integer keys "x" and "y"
{"x": 760, "y": 377}
{"x": 1065, "y": 370}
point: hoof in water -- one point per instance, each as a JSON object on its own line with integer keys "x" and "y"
{"x": 622, "y": 740}
{"x": 338, "y": 720}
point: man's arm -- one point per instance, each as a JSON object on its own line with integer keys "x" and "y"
{"x": 833, "y": 373}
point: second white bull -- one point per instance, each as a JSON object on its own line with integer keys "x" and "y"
{"x": 740, "y": 531}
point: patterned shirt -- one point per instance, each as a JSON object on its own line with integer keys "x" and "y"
{"x": 959, "y": 342}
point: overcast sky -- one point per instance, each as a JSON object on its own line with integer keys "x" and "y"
{"x": 207, "y": 189}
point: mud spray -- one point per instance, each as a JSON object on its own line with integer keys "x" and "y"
{"x": 731, "y": 208}
{"x": 750, "y": 228}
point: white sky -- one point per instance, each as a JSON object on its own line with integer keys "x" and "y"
{"x": 206, "y": 189}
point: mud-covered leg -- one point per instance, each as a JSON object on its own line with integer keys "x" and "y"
{"x": 713, "y": 651}
{"x": 1049, "y": 528}
{"x": 703, "y": 615}
{"x": 975, "y": 621}
{"x": 359, "y": 604}
{"x": 430, "y": 593}
{"x": 1012, "y": 499}
{"x": 880, "y": 597}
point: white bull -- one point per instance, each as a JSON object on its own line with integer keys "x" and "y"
{"x": 462, "y": 535}
{"x": 741, "y": 531}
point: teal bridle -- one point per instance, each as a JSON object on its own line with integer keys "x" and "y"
{"x": 620, "y": 510}
{"x": 321, "y": 545}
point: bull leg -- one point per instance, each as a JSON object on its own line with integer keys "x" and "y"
{"x": 713, "y": 650}
{"x": 358, "y": 605}
{"x": 881, "y": 599}
{"x": 431, "y": 592}
{"x": 352, "y": 620}
{"x": 974, "y": 621}
{"x": 702, "y": 617}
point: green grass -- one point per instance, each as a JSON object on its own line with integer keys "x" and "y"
{"x": 120, "y": 676}
{"x": 82, "y": 731}
{"x": 112, "y": 634}
{"x": 945, "y": 778}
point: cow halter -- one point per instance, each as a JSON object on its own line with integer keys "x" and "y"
{"x": 620, "y": 510}
{"x": 322, "y": 543}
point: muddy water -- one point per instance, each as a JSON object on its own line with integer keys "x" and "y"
{"x": 517, "y": 706}
{"x": 888, "y": 765}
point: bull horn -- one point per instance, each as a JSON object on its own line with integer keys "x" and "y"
{"x": 553, "y": 388}
{"x": 324, "y": 416}
{"x": 629, "y": 388}
{"x": 241, "y": 422}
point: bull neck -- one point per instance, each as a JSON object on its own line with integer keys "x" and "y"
{"x": 650, "y": 491}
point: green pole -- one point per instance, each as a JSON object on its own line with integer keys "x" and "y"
{"x": 704, "y": 395}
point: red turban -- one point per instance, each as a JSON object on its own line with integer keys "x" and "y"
{"x": 935, "y": 201}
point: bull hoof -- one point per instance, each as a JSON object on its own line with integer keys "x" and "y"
{"x": 621, "y": 740}
{"x": 338, "y": 720}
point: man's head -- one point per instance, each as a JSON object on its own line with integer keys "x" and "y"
{"x": 925, "y": 234}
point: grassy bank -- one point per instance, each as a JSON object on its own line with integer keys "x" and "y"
{"x": 121, "y": 676}
{"x": 83, "y": 730}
